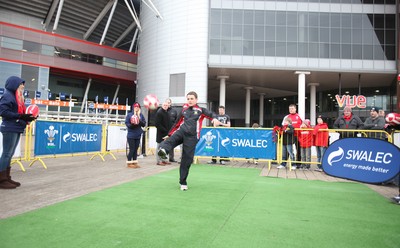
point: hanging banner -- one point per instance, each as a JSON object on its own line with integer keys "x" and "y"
{"x": 53, "y": 137}
{"x": 238, "y": 143}
{"x": 362, "y": 159}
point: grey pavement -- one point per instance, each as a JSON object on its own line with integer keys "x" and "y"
{"x": 69, "y": 177}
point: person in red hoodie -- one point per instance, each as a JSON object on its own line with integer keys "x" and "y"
{"x": 305, "y": 136}
{"x": 321, "y": 139}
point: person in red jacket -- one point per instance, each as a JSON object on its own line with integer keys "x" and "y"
{"x": 321, "y": 139}
{"x": 305, "y": 136}
{"x": 296, "y": 123}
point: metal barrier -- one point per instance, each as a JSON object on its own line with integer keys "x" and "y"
{"x": 113, "y": 139}
{"x": 334, "y": 134}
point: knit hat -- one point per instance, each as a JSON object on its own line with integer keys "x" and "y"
{"x": 376, "y": 109}
{"x": 136, "y": 104}
{"x": 322, "y": 117}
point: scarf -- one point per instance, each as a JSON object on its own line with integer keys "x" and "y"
{"x": 20, "y": 101}
{"x": 347, "y": 119}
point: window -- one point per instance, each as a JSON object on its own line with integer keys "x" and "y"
{"x": 177, "y": 84}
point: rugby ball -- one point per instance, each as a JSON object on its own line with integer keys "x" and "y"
{"x": 134, "y": 119}
{"x": 151, "y": 102}
{"x": 33, "y": 110}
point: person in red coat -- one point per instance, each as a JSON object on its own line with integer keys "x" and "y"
{"x": 305, "y": 136}
{"x": 321, "y": 139}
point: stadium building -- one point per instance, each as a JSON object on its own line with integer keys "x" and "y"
{"x": 254, "y": 57}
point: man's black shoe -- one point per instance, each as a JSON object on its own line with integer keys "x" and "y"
{"x": 162, "y": 153}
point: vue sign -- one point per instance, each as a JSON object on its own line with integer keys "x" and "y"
{"x": 352, "y": 101}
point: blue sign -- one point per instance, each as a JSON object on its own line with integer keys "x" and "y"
{"x": 97, "y": 99}
{"x": 26, "y": 93}
{"x": 362, "y": 159}
{"x": 49, "y": 95}
{"x": 239, "y": 143}
{"x": 106, "y": 99}
{"x": 61, "y": 137}
{"x": 38, "y": 94}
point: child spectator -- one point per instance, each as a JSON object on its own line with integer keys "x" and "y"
{"x": 288, "y": 139}
{"x": 321, "y": 139}
{"x": 255, "y": 125}
{"x": 306, "y": 140}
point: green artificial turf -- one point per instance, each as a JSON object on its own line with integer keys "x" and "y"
{"x": 224, "y": 207}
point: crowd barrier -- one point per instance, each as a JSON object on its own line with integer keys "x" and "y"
{"x": 265, "y": 144}
{"x": 52, "y": 139}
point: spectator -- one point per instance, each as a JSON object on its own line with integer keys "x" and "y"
{"x": 186, "y": 131}
{"x": 14, "y": 121}
{"x": 348, "y": 121}
{"x": 134, "y": 122}
{"x": 255, "y": 125}
{"x": 288, "y": 139}
{"x": 375, "y": 122}
{"x": 173, "y": 114}
{"x": 163, "y": 125}
{"x": 321, "y": 140}
{"x": 225, "y": 121}
{"x": 305, "y": 136}
{"x": 296, "y": 123}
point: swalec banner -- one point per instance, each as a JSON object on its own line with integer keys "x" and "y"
{"x": 53, "y": 137}
{"x": 362, "y": 159}
{"x": 237, "y": 143}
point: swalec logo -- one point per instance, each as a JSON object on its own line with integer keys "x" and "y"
{"x": 362, "y": 159}
{"x": 335, "y": 156}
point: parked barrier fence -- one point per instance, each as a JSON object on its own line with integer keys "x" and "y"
{"x": 52, "y": 139}
{"x": 265, "y": 144}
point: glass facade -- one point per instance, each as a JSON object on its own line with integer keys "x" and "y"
{"x": 297, "y": 34}
{"x": 331, "y": 35}
{"x": 33, "y": 47}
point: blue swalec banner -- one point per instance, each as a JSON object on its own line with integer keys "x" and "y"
{"x": 61, "y": 137}
{"x": 362, "y": 159}
{"x": 238, "y": 143}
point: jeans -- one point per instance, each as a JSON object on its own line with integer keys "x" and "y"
{"x": 287, "y": 149}
{"x": 10, "y": 143}
{"x": 320, "y": 152}
{"x": 133, "y": 148}
{"x": 305, "y": 156}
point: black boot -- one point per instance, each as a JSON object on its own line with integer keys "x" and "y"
{"x": 4, "y": 183}
{"x": 9, "y": 178}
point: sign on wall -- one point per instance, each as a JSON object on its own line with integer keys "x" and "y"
{"x": 362, "y": 159}
{"x": 239, "y": 143}
{"x": 62, "y": 137}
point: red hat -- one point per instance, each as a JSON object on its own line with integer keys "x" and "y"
{"x": 136, "y": 104}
